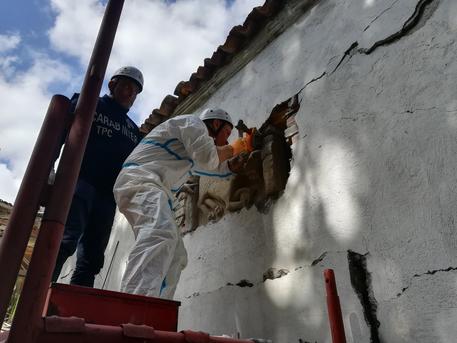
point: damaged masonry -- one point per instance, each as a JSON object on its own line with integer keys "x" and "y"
{"x": 262, "y": 179}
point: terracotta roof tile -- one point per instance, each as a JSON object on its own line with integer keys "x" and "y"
{"x": 169, "y": 104}
{"x": 238, "y": 37}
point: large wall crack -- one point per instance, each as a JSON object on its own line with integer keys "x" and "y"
{"x": 242, "y": 284}
{"x": 361, "y": 283}
{"x": 422, "y": 13}
{"x": 269, "y": 274}
{"x": 311, "y": 81}
{"x": 432, "y": 272}
{"x": 348, "y": 53}
{"x": 319, "y": 259}
{"x": 380, "y": 15}
{"x": 273, "y": 273}
{"x": 428, "y": 272}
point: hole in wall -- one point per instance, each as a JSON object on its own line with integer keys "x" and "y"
{"x": 262, "y": 179}
{"x": 265, "y": 175}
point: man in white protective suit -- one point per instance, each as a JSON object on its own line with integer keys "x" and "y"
{"x": 181, "y": 146}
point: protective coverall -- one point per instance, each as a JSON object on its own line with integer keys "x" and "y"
{"x": 159, "y": 165}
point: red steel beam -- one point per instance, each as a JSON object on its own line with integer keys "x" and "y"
{"x": 334, "y": 309}
{"x": 31, "y": 303}
{"x": 74, "y": 330}
{"x": 20, "y": 224}
{"x": 70, "y": 163}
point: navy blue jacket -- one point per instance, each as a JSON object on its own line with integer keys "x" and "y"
{"x": 112, "y": 138}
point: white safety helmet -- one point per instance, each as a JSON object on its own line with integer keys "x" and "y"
{"x": 216, "y": 113}
{"x": 132, "y": 73}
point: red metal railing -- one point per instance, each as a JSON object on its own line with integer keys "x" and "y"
{"x": 334, "y": 309}
{"x": 74, "y": 330}
{"x": 20, "y": 224}
{"x": 28, "y": 314}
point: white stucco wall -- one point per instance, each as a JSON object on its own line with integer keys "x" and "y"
{"x": 374, "y": 172}
{"x": 116, "y": 254}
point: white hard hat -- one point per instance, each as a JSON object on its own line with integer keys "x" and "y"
{"x": 216, "y": 113}
{"x": 132, "y": 73}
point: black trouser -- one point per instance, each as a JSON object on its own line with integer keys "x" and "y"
{"x": 87, "y": 229}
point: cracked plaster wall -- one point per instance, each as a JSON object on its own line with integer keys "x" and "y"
{"x": 374, "y": 173}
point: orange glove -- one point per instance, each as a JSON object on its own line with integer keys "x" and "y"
{"x": 242, "y": 145}
{"x": 238, "y": 146}
{"x": 250, "y": 138}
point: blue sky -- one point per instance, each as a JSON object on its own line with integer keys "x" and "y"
{"x": 29, "y": 17}
{"x": 45, "y": 46}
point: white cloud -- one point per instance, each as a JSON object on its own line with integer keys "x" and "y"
{"x": 76, "y": 27}
{"x": 25, "y": 98}
{"x": 7, "y": 65}
{"x": 166, "y": 41}
{"x": 8, "y": 189}
{"x": 9, "y": 42}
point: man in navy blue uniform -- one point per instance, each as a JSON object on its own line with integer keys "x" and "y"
{"x": 112, "y": 138}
